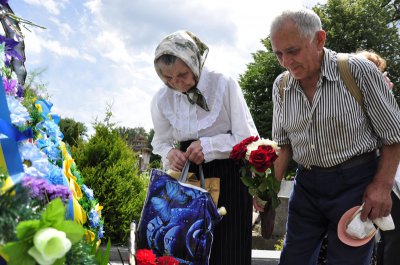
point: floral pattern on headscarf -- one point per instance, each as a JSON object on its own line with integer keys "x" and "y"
{"x": 187, "y": 47}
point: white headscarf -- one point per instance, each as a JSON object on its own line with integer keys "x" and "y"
{"x": 187, "y": 47}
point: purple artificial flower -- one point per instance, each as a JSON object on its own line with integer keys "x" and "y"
{"x": 20, "y": 90}
{"x": 41, "y": 189}
{"x": 9, "y": 85}
{"x": 9, "y": 51}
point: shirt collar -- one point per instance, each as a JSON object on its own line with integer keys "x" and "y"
{"x": 329, "y": 65}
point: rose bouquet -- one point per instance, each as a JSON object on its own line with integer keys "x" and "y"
{"x": 257, "y": 157}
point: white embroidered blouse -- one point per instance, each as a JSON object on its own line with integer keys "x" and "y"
{"x": 227, "y": 123}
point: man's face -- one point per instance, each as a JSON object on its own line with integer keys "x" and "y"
{"x": 298, "y": 54}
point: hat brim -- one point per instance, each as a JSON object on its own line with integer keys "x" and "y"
{"x": 346, "y": 238}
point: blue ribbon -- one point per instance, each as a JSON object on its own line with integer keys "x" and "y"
{"x": 9, "y": 145}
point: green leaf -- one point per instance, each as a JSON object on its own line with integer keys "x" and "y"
{"x": 54, "y": 213}
{"x": 263, "y": 186}
{"x": 248, "y": 182}
{"x": 74, "y": 231}
{"x": 27, "y": 229}
{"x": 18, "y": 253}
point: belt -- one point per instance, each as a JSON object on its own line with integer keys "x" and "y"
{"x": 352, "y": 162}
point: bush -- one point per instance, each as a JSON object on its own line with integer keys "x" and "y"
{"x": 110, "y": 168}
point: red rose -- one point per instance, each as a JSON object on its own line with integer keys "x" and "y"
{"x": 272, "y": 156}
{"x": 238, "y": 151}
{"x": 260, "y": 159}
{"x": 145, "y": 257}
{"x": 167, "y": 260}
{"x": 249, "y": 140}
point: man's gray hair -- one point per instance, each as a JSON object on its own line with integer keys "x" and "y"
{"x": 307, "y": 21}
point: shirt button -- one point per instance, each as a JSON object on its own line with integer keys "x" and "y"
{"x": 312, "y": 146}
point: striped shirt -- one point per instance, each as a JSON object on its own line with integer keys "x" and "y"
{"x": 334, "y": 127}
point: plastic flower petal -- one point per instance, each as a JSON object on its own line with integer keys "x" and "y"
{"x": 94, "y": 219}
{"x": 9, "y": 51}
{"x": 19, "y": 114}
{"x": 34, "y": 161}
{"x": 88, "y": 192}
{"x": 49, "y": 245}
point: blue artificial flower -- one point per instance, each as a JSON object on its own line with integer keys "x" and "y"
{"x": 88, "y": 192}
{"x": 3, "y": 2}
{"x": 94, "y": 219}
{"x": 9, "y": 51}
{"x": 100, "y": 234}
{"x": 56, "y": 175}
{"x": 50, "y": 148}
{"x": 35, "y": 162}
{"x": 19, "y": 114}
{"x": 50, "y": 129}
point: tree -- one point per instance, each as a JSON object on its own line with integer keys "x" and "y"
{"x": 155, "y": 160}
{"x": 111, "y": 169}
{"x": 367, "y": 25}
{"x": 132, "y": 135}
{"x": 257, "y": 84}
{"x": 73, "y": 131}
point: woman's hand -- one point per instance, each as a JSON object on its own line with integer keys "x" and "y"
{"x": 176, "y": 159}
{"x": 195, "y": 153}
{"x": 387, "y": 79}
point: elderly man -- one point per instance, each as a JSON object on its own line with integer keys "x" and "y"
{"x": 334, "y": 140}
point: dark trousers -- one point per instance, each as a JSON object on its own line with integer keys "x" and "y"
{"x": 389, "y": 244}
{"x": 233, "y": 235}
{"x": 319, "y": 198}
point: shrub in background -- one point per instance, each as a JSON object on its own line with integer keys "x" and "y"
{"x": 111, "y": 169}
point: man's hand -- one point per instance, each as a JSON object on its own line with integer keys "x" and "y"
{"x": 377, "y": 201}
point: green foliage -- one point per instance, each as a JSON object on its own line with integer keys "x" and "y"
{"x": 53, "y": 216}
{"x": 102, "y": 257}
{"x": 73, "y": 131}
{"x": 279, "y": 244}
{"x": 81, "y": 254}
{"x": 257, "y": 84}
{"x": 15, "y": 206}
{"x": 367, "y": 25}
{"x": 110, "y": 168}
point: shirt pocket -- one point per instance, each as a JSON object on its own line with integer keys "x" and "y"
{"x": 342, "y": 131}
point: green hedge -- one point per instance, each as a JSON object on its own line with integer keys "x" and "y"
{"x": 110, "y": 168}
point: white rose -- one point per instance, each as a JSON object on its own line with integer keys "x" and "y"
{"x": 49, "y": 244}
{"x": 254, "y": 146}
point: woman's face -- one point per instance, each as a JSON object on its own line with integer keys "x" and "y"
{"x": 178, "y": 75}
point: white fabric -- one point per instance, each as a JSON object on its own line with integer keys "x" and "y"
{"x": 227, "y": 123}
{"x": 359, "y": 229}
{"x": 396, "y": 184}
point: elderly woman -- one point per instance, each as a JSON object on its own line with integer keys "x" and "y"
{"x": 199, "y": 115}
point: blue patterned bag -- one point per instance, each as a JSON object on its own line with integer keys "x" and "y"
{"x": 177, "y": 218}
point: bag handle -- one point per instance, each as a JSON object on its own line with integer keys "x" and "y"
{"x": 185, "y": 172}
